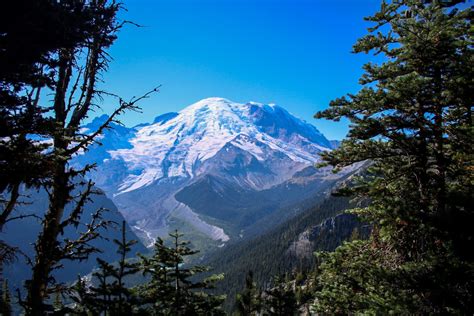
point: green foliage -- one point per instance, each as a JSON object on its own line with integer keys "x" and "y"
{"x": 249, "y": 301}
{"x": 280, "y": 299}
{"x": 112, "y": 295}
{"x": 413, "y": 122}
{"x": 355, "y": 268}
{"x": 172, "y": 288}
{"x": 268, "y": 255}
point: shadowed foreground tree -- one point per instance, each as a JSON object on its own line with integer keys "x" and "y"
{"x": 170, "y": 287}
{"x": 413, "y": 121}
{"x": 31, "y": 33}
{"x": 112, "y": 295}
{"x": 39, "y": 137}
{"x": 249, "y": 301}
{"x": 280, "y": 300}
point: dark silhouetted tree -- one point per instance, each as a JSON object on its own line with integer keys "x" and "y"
{"x": 39, "y": 137}
{"x": 280, "y": 299}
{"x": 249, "y": 301}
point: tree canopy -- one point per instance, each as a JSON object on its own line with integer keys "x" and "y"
{"x": 413, "y": 121}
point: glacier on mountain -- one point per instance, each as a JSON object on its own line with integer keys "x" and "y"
{"x": 179, "y": 142}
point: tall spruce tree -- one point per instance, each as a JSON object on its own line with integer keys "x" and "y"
{"x": 173, "y": 288}
{"x": 157, "y": 294}
{"x": 280, "y": 299}
{"x": 413, "y": 122}
{"x": 112, "y": 295}
{"x": 31, "y": 32}
{"x": 249, "y": 301}
{"x": 6, "y": 300}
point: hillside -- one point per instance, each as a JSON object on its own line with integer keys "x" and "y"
{"x": 280, "y": 251}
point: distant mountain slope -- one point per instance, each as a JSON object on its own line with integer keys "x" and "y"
{"x": 23, "y": 233}
{"x": 213, "y": 169}
{"x": 285, "y": 248}
{"x": 317, "y": 223}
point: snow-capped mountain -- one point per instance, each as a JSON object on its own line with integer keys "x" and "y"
{"x": 176, "y": 145}
{"x": 216, "y": 145}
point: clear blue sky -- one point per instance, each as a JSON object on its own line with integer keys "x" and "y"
{"x": 295, "y": 53}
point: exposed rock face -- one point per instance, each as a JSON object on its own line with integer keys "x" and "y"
{"x": 333, "y": 231}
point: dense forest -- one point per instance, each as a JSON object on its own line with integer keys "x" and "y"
{"x": 405, "y": 247}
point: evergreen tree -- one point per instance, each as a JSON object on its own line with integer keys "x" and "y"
{"x": 112, "y": 296}
{"x": 31, "y": 32}
{"x": 158, "y": 292}
{"x": 58, "y": 303}
{"x": 173, "y": 288}
{"x": 249, "y": 301}
{"x": 84, "y": 301}
{"x": 27, "y": 58}
{"x": 413, "y": 122}
{"x": 280, "y": 299}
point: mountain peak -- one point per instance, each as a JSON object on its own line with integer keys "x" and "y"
{"x": 212, "y": 102}
{"x": 181, "y": 144}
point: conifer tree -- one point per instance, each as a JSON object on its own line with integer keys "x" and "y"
{"x": 173, "y": 288}
{"x": 58, "y": 303}
{"x": 111, "y": 296}
{"x": 73, "y": 70}
{"x": 27, "y": 56}
{"x": 249, "y": 301}
{"x": 413, "y": 122}
{"x": 32, "y": 31}
{"x": 158, "y": 292}
{"x": 280, "y": 299}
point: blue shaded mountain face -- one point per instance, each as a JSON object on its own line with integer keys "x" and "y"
{"x": 213, "y": 169}
{"x": 162, "y": 119}
{"x": 23, "y": 233}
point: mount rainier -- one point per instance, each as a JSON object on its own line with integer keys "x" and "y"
{"x": 215, "y": 169}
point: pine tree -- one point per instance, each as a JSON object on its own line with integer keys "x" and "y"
{"x": 58, "y": 303}
{"x": 74, "y": 69}
{"x": 158, "y": 292}
{"x": 27, "y": 57}
{"x": 280, "y": 299}
{"x": 249, "y": 301}
{"x": 173, "y": 288}
{"x": 413, "y": 122}
{"x": 112, "y": 296}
